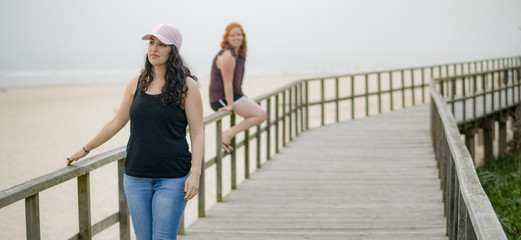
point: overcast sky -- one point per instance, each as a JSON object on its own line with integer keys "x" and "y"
{"x": 284, "y": 36}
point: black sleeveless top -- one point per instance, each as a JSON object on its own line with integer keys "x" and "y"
{"x": 157, "y": 147}
{"x": 216, "y": 79}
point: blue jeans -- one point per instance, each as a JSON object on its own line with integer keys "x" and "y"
{"x": 156, "y": 206}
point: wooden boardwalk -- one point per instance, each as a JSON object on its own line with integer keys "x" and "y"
{"x": 371, "y": 178}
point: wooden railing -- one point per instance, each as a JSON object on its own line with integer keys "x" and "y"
{"x": 291, "y": 110}
{"x": 472, "y": 97}
{"x": 463, "y": 103}
{"x": 81, "y": 170}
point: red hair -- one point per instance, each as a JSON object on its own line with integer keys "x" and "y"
{"x": 225, "y": 44}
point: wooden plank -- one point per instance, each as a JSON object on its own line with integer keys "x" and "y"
{"x": 366, "y": 178}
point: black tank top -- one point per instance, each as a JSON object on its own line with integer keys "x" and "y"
{"x": 157, "y": 147}
{"x": 216, "y": 79}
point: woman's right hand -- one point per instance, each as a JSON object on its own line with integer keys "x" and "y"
{"x": 76, "y": 156}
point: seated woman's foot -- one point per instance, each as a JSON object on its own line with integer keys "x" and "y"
{"x": 227, "y": 147}
{"x": 227, "y": 142}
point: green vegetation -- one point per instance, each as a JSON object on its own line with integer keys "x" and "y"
{"x": 501, "y": 180}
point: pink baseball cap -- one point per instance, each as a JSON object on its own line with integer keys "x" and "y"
{"x": 167, "y": 34}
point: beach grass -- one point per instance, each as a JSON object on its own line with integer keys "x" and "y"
{"x": 501, "y": 180}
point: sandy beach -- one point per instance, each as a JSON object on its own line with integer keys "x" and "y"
{"x": 41, "y": 126}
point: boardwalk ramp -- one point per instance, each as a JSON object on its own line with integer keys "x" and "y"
{"x": 371, "y": 178}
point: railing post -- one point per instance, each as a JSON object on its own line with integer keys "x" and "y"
{"x": 518, "y": 84}
{"x": 247, "y": 154}
{"x": 284, "y": 118}
{"x": 506, "y": 81}
{"x": 493, "y": 95}
{"x": 442, "y": 166}
{"x": 277, "y": 143}
{"x": 464, "y": 85}
{"x": 290, "y": 116}
{"x": 268, "y": 129}
{"x": 337, "y": 106}
{"x": 412, "y": 88}
{"x": 366, "y": 95}
{"x": 453, "y": 93}
{"x": 511, "y": 87}
{"x": 233, "y": 170}
{"x": 488, "y": 133}
{"x": 423, "y": 85}
{"x": 454, "y": 202}
{"x": 124, "y": 214}
{"x": 502, "y": 134}
{"x": 218, "y": 161}
{"x": 440, "y": 76}
{"x": 462, "y": 218}
{"x": 475, "y": 88}
{"x": 379, "y": 93}
{"x": 307, "y": 105}
{"x": 470, "y": 142}
{"x": 32, "y": 217}
{"x": 352, "y": 97}
{"x": 301, "y": 106}
{"x": 470, "y": 233}
{"x": 450, "y": 194}
{"x": 201, "y": 196}
{"x": 84, "y": 207}
{"x": 258, "y": 147}
{"x": 499, "y": 90}
{"x": 322, "y": 100}
{"x": 391, "y": 90}
{"x": 296, "y": 111}
{"x": 484, "y": 86}
{"x": 403, "y": 88}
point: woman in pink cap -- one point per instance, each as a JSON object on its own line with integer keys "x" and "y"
{"x": 161, "y": 174}
{"x": 226, "y": 84}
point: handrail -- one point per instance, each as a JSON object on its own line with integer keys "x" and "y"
{"x": 495, "y": 90}
{"x": 474, "y": 216}
{"x": 291, "y": 110}
{"x": 62, "y": 175}
{"x": 30, "y": 192}
{"x": 454, "y": 101}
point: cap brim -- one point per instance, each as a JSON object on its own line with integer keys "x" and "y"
{"x": 161, "y": 38}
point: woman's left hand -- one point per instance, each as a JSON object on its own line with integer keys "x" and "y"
{"x": 227, "y": 108}
{"x": 192, "y": 186}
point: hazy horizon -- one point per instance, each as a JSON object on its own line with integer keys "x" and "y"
{"x": 60, "y": 38}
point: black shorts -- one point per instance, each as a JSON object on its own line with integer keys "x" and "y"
{"x": 222, "y": 102}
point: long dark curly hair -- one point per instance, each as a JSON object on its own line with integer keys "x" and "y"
{"x": 174, "y": 90}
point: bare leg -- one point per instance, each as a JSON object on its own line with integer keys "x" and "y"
{"x": 253, "y": 115}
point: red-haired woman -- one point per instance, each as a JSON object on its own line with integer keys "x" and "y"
{"x": 226, "y": 81}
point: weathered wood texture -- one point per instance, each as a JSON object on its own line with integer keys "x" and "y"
{"x": 372, "y": 178}
{"x": 469, "y": 212}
